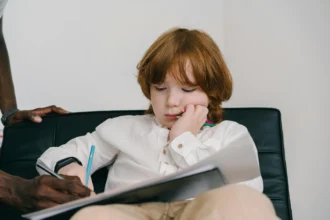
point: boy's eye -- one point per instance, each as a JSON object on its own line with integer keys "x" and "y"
{"x": 188, "y": 89}
{"x": 158, "y": 88}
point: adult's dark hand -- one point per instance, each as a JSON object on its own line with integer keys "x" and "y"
{"x": 45, "y": 191}
{"x": 34, "y": 115}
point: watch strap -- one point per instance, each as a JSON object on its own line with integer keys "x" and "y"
{"x": 6, "y": 115}
{"x": 64, "y": 162}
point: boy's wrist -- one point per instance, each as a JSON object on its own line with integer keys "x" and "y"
{"x": 65, "y": 170}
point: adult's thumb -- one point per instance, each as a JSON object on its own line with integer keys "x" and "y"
{"x": 35, "y": 118}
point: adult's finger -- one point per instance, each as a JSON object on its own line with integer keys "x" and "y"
{"x": 75, "y": 179}
{"x": 25, "y": 115}
{"x": 43, "y": 204}
{"x": 68, "y": 186}
{"x": 59, "y": 110}
{"x": 47, "y": 193}
{"x": 46, "y": 110}
{"x": 33, "y": 117}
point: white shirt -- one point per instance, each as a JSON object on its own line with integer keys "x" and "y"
{"x": 2, "y": 6}
{"x": 139, "y": 148}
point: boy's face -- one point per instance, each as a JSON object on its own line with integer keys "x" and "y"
{"x": 170, "y": 98}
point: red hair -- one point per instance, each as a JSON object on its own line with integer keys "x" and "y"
{"x": 172, "y": 50}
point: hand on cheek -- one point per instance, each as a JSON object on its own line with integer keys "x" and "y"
{"x": 192, "y": 121}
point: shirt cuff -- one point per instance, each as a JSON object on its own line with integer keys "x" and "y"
{"x": 185, "y": 146}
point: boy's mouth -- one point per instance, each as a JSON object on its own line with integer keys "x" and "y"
{"x": 175, "y": 115}
{"x": 171, "y": 116}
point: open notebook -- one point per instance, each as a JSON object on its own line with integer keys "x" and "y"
{"x": 230, "y": 165}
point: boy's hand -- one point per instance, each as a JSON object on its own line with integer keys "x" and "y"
{"x": 74, "y": 169}
{"x": 192, "y": 120}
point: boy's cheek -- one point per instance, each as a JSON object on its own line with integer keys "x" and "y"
{"x": 198, "y": 99}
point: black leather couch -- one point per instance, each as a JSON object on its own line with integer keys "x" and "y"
{"x": 24, "y": 142}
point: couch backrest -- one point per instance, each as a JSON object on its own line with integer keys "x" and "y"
{"x": 24, "y": 142}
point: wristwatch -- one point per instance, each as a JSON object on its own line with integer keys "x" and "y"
{"x": 64, "y": 162}
{"x": 7, "y": 114}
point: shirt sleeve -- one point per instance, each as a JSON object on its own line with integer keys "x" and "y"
{"x": 79, "y": 148}
{"x": 2, "y": 6}
{"x": 188, "y": 149}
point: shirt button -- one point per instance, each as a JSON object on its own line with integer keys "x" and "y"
{"x": 164, "y": 151}
{"x": 180, "y": 146}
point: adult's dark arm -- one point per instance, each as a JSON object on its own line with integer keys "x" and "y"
{"x": 7, "y": 91}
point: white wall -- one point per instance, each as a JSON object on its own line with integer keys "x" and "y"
{"x": 83, "y": 56}
{"x": 279, "y": 53}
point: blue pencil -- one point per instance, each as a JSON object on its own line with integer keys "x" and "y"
{"x": 89, "y": 165}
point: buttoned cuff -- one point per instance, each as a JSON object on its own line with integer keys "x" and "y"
{"x": 185, "y": 146}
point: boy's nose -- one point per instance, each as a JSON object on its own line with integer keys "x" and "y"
{"x": 173, "y": 100}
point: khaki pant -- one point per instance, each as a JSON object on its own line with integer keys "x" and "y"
{"x": 225, "y": 203}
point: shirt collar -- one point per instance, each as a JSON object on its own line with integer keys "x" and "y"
{"x": 157, "y": 122}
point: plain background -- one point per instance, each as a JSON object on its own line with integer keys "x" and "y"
{"x": 82, "y": 55}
